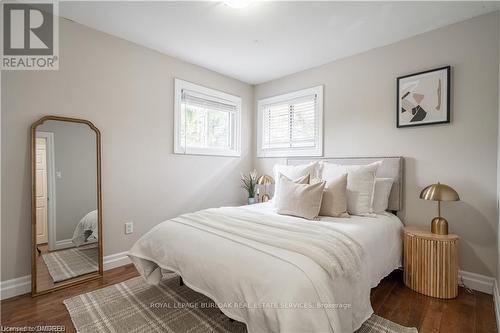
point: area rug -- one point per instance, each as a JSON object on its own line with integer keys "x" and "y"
{"x": 67, "y": 264}
{"x": 135, "y": 306}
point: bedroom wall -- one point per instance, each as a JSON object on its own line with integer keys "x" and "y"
{"x": 126, "y": 90}
{"x": 75, "y": 158}
{"x": 359, "y": 120}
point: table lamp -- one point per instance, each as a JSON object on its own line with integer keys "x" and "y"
{"x": 265, "y": 180}
{"x": 439, "y": 192}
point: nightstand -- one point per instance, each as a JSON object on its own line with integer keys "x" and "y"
{"x": 430, "y": 262}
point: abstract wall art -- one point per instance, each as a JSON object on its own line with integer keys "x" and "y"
{"x": 423, "y": 98}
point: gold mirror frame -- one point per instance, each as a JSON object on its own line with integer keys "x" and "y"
{"x": 90, "y": 276}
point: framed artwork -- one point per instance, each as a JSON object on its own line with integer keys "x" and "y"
{"x": 423, "y": 98}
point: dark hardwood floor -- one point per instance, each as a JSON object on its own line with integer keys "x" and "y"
{"x": 49, "y": 309}
{"x": 464, "y": 314}
{"x": 468, "y": 313}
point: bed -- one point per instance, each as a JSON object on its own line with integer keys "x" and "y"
{"x": 280, "y": 273}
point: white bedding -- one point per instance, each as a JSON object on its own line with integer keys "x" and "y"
{"x": 380, "y": 235}
{"x": 277, "y": 285}
{"x": 86, "y": 231}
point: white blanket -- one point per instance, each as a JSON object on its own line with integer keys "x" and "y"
{"x": 335, "y": 252}
{"x": 275, "y": 273}
{"x": 380, "y": 235}
{"x": 86, "y": 231}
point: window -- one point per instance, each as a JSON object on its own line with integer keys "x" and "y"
{"x": 291, "y": 124}
{"x": 207, "y": 121}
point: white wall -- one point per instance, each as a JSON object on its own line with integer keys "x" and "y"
{"x": 127, "y": 91}
{"x": 359, "y": 120}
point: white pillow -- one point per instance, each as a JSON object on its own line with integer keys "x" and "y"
{"x": 360, "y": 184}
{"x": 302, "y": 180}
{"x": 292, "y": 172}
{"x": 381, "y": 194}
{"x": 334, "y": 201}
{"x": 302, "y": 200}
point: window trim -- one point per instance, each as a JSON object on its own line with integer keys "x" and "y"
{"x": 291, "y": 152}
{"x": 179, "y": 85}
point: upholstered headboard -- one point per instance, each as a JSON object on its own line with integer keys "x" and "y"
{"x": 391, "y": 167}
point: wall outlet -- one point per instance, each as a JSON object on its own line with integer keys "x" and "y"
{"x": 129, "y": 227}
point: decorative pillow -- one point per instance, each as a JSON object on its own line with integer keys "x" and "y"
{"x": 381, "y": 194}
{"x": 302, "y": 180}
{"x": 360, "y": 184}
{"x": 301, "y": 200}
{"x": 292, "y": 172}
{"x": 334, "y": 201}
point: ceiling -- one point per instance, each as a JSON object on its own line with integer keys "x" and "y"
{"x": 267, "y": 40}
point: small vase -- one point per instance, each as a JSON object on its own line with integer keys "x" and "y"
{"x": 251, "y": 201}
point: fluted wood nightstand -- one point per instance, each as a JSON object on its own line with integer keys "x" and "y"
{"x": 430, "y": 262}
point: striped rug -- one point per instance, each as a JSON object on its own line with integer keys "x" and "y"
{"x": 134, "y": 306}
{"x": 70, "y": 263}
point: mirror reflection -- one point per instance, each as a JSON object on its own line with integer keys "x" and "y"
{"x": 66, "y": 203}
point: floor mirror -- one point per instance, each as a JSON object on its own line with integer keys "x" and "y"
{"x": 66, "y": 214}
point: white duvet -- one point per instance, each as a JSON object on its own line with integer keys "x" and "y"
{"x": 276, "y": 273}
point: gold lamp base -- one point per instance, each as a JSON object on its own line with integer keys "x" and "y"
{"x": 439, "y": 226}
{"x": 264, "y": 198}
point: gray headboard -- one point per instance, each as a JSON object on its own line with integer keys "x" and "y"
{"x": 391, "y": 167}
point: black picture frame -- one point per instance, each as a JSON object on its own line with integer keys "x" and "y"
{"x": 447, "y": 70}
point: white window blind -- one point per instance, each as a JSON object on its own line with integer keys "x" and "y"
{"x": 207, "y": 121}
{"x": 291, "y": 124}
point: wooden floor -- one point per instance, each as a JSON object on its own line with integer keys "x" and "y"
{"x": 43, "y": 279}
{"x": 464, "y": 314}
{"x": 468, "y": 313}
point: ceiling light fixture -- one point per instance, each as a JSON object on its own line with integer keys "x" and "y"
{"x": 237, "y": 4}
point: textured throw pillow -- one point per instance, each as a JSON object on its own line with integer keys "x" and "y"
{"x": 302, "y": 180}
{"x": 292, "y": 172}
{"x": 301, "y": 200}
{"x": 381, "y": 194}
{"x": 334, "y": 201}
{"x": 360, "y": 184}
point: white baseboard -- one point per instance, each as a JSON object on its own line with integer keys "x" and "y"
{"x": 22, "y": 285}
{"x": 477, "y": 282}
{"x": 116, "y": 260}
{"x": 14, "y": 287}
{"x": 64, "y": 244}
{"x": 496, "y": 299}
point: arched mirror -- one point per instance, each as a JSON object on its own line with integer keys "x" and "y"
{"x": 66, "y": 203}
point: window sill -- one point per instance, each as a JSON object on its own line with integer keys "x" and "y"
{"x": 209, "y": 153}
{"x": 290, "y": 153}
